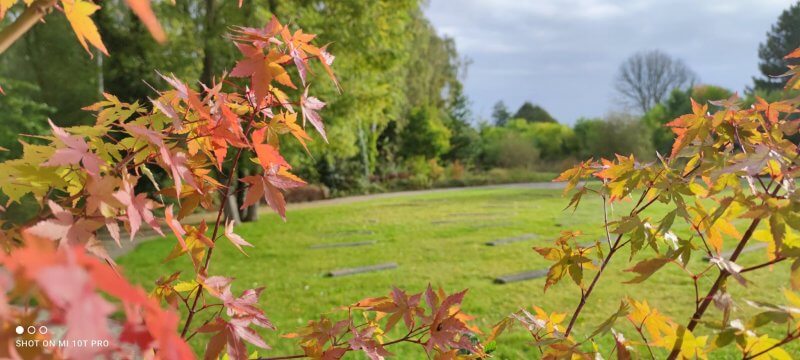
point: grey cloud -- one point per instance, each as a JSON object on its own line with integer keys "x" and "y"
{"x": 563, "y": 54}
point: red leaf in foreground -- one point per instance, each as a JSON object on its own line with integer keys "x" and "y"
{"x": 145, "y": 13}
{"x": 64, "y": 228}
{"x": 262, "y": 69}
{"x": 235, "y": 239}
{"x": 364, "y": 341}
{"x": 72, "y": 281}
{"x": 268, "y": 155}
{"x": 138, "y": 207}
{"x": 176, "y": 227}
{"x": 310, "y": 106}
{"x": 267, "y": 186}
{"x": 77, "y": 151}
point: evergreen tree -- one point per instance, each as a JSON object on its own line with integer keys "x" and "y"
{"x": 500, "y": 113}
{"x": 533, "y": 113}
{"x": 783, "y": 37}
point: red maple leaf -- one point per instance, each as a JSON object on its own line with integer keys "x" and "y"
{"x": 364, "y": 341}
{"x": 77, "y": 151}
{"x": 310, "y": 106}
{"x": 267, "y": 154}
{"x": 235, "y": 239}
{"x": 138, "y": 206}
{"x": 268, "y": 185}
{"x": 262, "y": 69}
{"x": 64, "y": 227}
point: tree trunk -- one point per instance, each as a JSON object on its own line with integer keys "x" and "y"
{"x": 209, "y": 27}
{"x": 231, "y": 209}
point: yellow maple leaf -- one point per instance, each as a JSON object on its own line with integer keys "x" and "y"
{"x": 766, "y": 347}
{"x": 651, "y": 320}
{"x": 78, "y": 13}
{"x": 4, "y": 6}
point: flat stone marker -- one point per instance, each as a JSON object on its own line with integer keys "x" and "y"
{"x": 471, "y": 214}
{"x": 350, "y": 233}
{"x": 727, "y": 254}
{"x": 491, "y": 225}
{"x": 442, "y": 222}
{"x": 511, "y": 240}
{"x": 526, "y": 275}
{"x": 363, "y": 269}
{"x": 347, "y": 244}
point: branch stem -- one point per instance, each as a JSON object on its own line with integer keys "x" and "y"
{"x": 24, "y": 22}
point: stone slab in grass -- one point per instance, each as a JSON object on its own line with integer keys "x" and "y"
{"x": 525, "y": 275}
{"x": 350, "y": 233}
{"x": 359, "y": 270}
{"x": 511, "y": 240}
{"x": 472, "y": 214}
{"x": 442, "y": 222}
{"x": 345, "y": 244}
{"x": 727, "y": 254}
{"x": 492, "y": 225}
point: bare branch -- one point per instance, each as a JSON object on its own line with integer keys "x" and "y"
{"x": 646, "y": 78}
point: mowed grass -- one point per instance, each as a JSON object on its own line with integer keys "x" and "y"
{"x": 438, "y": 238}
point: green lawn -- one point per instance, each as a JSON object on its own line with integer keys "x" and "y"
{"x": 438, "y": 238}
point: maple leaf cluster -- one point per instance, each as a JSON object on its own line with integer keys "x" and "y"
{"x": 78, "y": 288}
{"x": 731, "y": 166}
{"x": 432, "y": 320}
{"x": 90, "y": 181}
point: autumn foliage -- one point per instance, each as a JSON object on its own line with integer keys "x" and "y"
{"x": 89, "y": 179}
{"x": 730, "y": 178}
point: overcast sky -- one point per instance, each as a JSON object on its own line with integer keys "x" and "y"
{"x": 563, "y": 54}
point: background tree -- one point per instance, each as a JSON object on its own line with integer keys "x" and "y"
{"x": 425, "y": 134}
{"x": 645, "y": 78}
{"x": 464, "y": 139}
{"x": 500, "y": 113}
{"x": 782, "y": 38}
{"x": 533, "y": 113}
{"x": 617, "y": 133}
{"x": 21, "y": 115}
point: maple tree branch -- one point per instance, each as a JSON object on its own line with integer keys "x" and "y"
{"x": 24, "y": 22}
{"x": 193, "y": 310}
{"x": 284, "y": 357}
{"x": 698, "y": 314}
{"x": 789, "y": 338}
{"x": 612, "y": 249}
{"x": 407, "y": 338}
{"x": 759, "y": 266}
{"x": 585, "y": 295}
{"x": 226, "y": 189}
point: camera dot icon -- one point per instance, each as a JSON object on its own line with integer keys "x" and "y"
{"x": 20, "y": 330}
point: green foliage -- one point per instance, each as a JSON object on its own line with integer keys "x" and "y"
{"x": 21, "y": 115}
{"x": 553, "y": 140}
{"x": 64, "y": 88}
{"x": 509, "y": 149}
{"x": 425, "y": 134}
{"x": 616, "y": 134}
{"x": 533, "y": 113}
{"x": 521, "y": 143}
{"x": 464, "y": 139}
